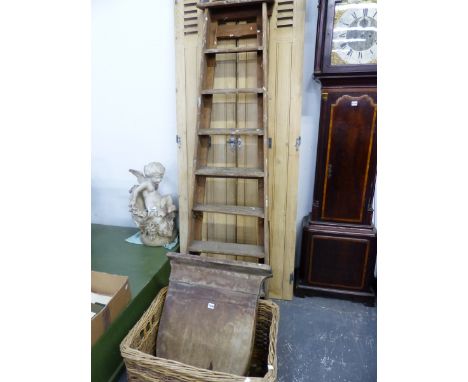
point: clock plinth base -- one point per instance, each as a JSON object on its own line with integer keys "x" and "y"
{"x": 337, "y": 260}
{"x": 303, "y": 289}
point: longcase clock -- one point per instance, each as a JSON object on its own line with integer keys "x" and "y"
{"x": 339, "y": 240}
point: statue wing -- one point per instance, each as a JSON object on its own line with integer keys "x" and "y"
{"x": 140, "y": 177}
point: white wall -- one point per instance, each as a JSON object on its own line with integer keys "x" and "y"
{"x": 309, "y": 123}
{"x": 133, "y": 101}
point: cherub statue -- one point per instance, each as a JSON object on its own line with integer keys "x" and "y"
{"x": 153, "y": 213}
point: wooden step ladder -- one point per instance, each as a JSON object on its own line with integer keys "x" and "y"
{"x": 232, "y": 29}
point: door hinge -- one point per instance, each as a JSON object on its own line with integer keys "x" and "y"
{"x": 291, "y": 278}
{"x": 269, "y": 143}
{"x": 178, "y": 140}
{"x": 298, "y": 143}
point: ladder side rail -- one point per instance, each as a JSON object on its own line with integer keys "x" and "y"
{"x": 195, "y": 226}
{"x": 265, "y": 43}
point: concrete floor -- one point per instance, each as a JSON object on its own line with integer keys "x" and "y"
{"x": 325, "y": 340}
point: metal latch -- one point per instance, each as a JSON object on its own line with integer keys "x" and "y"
{"x": 234, "y": 142}
{"x": 178, "y": 140}
{"x": 298, "y": 143}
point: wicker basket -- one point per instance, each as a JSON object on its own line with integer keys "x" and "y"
{"x": 139, "y": 346}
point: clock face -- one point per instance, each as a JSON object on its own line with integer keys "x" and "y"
{"x": 354, "y": 33}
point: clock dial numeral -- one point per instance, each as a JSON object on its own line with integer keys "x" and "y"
{"x": 354, "y": 15}
{"x": 375, "y": 14}
{"x": 359, "y": 55}
{"x": 343, "y": 45}
{"x": 350, "y": 53}
{"x": 364, "y": 12}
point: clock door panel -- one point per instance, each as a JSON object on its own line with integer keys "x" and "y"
{"x": 349, "y": 149}
{"x": 346, "y": 156}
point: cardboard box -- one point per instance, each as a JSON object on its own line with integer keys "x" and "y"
{"x": 118, "y": 289}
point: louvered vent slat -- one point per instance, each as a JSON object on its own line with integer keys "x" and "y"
{"x": 190, "y": 17}
{"x": 285, "y": 13}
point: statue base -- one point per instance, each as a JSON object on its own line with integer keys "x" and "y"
{"x": 158, "y": 241}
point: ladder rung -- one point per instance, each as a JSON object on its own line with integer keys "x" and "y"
{"x": 235, "y": 31}
{"x": 230, "y": 209}
{"x": 230, "y": 172}
{"x": 233, "y": 91}
{"x": 233, "y": 249}
{"x": 231, "y": 3}
{"x": 245, "y": 131}
{"x": 238, "y": 49}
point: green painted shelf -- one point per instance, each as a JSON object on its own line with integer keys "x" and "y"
{"x": 148, "y": 271}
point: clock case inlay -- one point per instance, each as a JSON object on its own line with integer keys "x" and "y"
{"x": 339, "y": 240}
